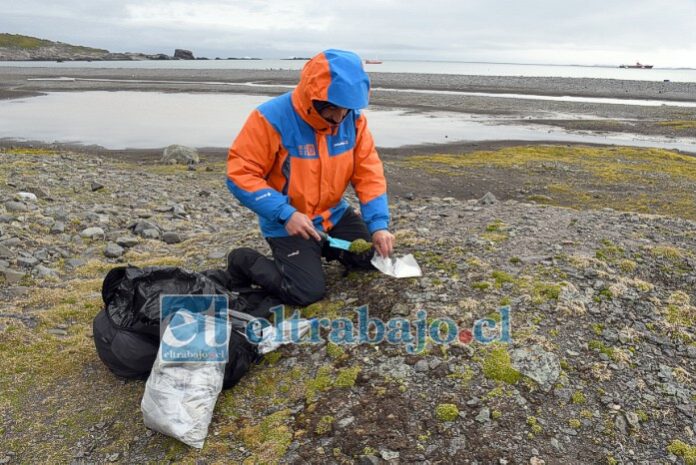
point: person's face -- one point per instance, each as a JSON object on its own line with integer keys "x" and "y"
{"x": 334, "y": 114}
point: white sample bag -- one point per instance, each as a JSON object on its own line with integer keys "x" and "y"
{"x": 180, "y": 397}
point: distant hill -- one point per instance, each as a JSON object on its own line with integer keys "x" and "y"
{"x": 15, "y": 47}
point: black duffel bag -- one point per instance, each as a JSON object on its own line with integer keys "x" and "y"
{"x": 127, "y": 330}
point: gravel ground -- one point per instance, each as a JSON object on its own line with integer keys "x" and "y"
{"x": 600, "y": 368}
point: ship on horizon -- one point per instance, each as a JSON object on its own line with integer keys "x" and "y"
{"x": 638, "y": 65}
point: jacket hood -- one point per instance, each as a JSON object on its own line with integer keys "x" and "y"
{"x": 335, "y": 76}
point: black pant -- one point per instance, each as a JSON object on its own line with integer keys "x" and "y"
{"x": 295, "y": 273}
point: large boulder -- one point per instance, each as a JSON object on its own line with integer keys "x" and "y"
{"x": 183, "y": 54}
{"x": 180, "y": 154}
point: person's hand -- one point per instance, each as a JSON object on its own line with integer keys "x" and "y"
{"x": 383, "y": 242}
{"x": 299, "y": 224}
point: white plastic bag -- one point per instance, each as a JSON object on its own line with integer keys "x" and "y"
{"x": 404, "y": 267}
{"x": 180, "y": 397}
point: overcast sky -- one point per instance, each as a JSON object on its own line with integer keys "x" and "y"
{"x": 587, "y": 32}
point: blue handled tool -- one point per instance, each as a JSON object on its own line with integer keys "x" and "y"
{"x": 335, "y": 243}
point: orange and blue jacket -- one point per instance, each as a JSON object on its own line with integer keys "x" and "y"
{"x": 287, "y": 158}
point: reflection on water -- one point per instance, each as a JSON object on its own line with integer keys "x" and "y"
{"x": 118, "y": 120}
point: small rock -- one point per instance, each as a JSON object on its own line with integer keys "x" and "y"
{"x": 95, "y": 186}
{"x": 410, "y": 196}
{"x": 127, "y": 241}
{"x": 113, "y": 250}
{"x": 537, "y": 364}
{"x": 57, "y": 332}
{"x": 26, "y": 197}
{"x": 421, "y": 366}
{"x": 73, "y": 263}
{"x": 401, "y": 309}
{"x": 620, "y": 424}
{"x": 389, "y": 454}
{"x": 58, "y": 227}
{"x": 6, "y": 252}
{"x": 112, "y": 457}
{"x": 150, "y": 233}
{"x": 484, "y": 415}
{"x": 45, "y": 272}
{"x": 13, "y": 206}
{"x": 488, "y": 199}
{"x": 344, "y": 422}
{"x": 632, "y": 419}
{"x": 11, "y": 276}
{"x": 27, "y": 262}
{"x": 170, "y": 237}
{"x": 93, "y": 233}
{"x": 536, "y": 461}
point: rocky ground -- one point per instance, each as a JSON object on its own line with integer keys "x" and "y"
{"x": 600, "y": 368}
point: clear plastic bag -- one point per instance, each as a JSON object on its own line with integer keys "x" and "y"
{"x": 180, "y": 397}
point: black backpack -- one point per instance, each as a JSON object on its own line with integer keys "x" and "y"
{"x": 127, "y": 330}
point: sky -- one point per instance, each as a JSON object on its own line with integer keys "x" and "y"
{"x": 586, "y": 32}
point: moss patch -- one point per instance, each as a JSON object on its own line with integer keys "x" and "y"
{"x": 497, "y": 366}
{"x": 447, "y": 412}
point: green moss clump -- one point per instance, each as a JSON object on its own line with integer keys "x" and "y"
{"x": 321, "y": 382}
{"x": 683, "y": 450}
{"x": 334, "y": 351}
{"x": 481, "y": 285}
{"x": 534, "y": 425}
{"x": 574, "y": 423}
{"x": 497, "y": 366}
{"x": 501, "y": 278}
{"x": 360, "y": 246}
{"x": 447, "y": 412}
{"x": 347, "y": 376}
{"x": 578, "y": 397}
{"x": 271, "y": 438}
{"x": 324, "y": 425}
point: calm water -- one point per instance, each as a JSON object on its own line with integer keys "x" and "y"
{"x": 119, "y": 120}
{"x": 427, "y": 67}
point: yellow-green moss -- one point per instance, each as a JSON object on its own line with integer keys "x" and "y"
{"x": 335, "y": 351}
{"x": 602, "y": 176}
{"x": 683, "y": 450}
{"x": 497, "y": 366}
{"x": 534, "y": 425}
{"x": 501, "y": 278}
{"x": 574, "y": 423}
{"x": 346, "y": 377}
{"x": 324, "y": 425}
{"x": 360, "y": 246}
{"x": 578, "y": 397}
{"x": 270, "y": 438}
{"x": 678, "y": 124}
{"x": 447, "y": 412}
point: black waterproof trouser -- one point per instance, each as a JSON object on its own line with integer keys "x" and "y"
{"x": 295, "y": 273}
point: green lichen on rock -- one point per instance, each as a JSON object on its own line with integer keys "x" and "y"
{"x": 447, "y": 412}
{"x": 497, "y": 366}
{"x": 683, "y": 450}
{"x": 346, "y": 377}
{"x": 360, "y": 246}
